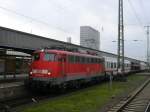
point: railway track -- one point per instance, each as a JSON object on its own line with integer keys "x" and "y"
{"x": 11, "y": 104}
{"x": 8, "y": 105}
{"x": 148, "y": 108}
{"x": 138, "y": 101}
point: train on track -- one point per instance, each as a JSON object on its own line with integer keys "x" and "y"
{"x": 51, "y": 68}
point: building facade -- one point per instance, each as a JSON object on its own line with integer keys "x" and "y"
{"x": 89, "y": 37}
{"x": 69, "y": 39}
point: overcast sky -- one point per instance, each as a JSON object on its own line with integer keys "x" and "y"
{"x": 59, "y": 19}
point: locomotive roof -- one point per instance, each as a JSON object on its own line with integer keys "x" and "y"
{"x": 68, "y": 52}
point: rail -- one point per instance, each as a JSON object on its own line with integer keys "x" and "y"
{"x": 130, "y": 98}
{"x": 147, "y": 108}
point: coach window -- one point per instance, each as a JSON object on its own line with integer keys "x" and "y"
{"x": 58, "y": 58}
{"x": 87, "y": 60}
{"x": 76, "y": 59}
{"x": 79, "y": 59}
{"x": 82, "y": 59}
{"x": 99, "y": 61}
{"x": 96, "y": 60}
{"x": 114, "y": 65}
{"x": 92, "y": 60}
{"x": 107, "y": 64}
{"x": 72, "y": 60}
{"x": 111, "y": 65}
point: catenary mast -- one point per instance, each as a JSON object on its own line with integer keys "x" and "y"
{"x": 120, "y": 60}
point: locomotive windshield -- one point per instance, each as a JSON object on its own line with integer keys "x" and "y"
{"x": 49, "y": 57}
{"x": 36, "y": 57}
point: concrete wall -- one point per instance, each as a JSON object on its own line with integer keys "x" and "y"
{"x": 2, "y": 66}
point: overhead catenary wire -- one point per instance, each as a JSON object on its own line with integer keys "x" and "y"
{"x": 135, "y": 13}
{"x": 61, "y": 8}
{"x": 32, "y": 19}
{"x": 143, "y": 8}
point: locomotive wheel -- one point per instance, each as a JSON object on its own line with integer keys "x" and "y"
{"x": 77, "y": 84}
{"x": 62, "y": 88}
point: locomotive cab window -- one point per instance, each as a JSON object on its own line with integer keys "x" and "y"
{"x": 49, "y": 57}
{"x": 36, "y": 57}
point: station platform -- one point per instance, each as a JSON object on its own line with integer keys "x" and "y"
{"x": 9, "y": 85}
{"x": 11, "y": 90}
{"x": 12, "y": 87}
{"x": 144, "y": 73}
{"x": 13, "y": 78}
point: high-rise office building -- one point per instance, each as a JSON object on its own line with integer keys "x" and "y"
{"x": 89, "y": 37}
{"x": 69, "y": 39}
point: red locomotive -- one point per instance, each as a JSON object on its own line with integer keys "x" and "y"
{"x": 57, "y": 67}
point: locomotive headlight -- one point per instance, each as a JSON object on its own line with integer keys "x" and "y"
{"x": 31, "y": 72}
{"x": 49, "y": 73}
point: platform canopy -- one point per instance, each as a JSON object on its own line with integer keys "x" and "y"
{"x": 27, "y": 43}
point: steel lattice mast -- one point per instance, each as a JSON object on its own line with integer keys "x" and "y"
{"x": 148, "y": 47}
{"x": 120, "y": 61}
